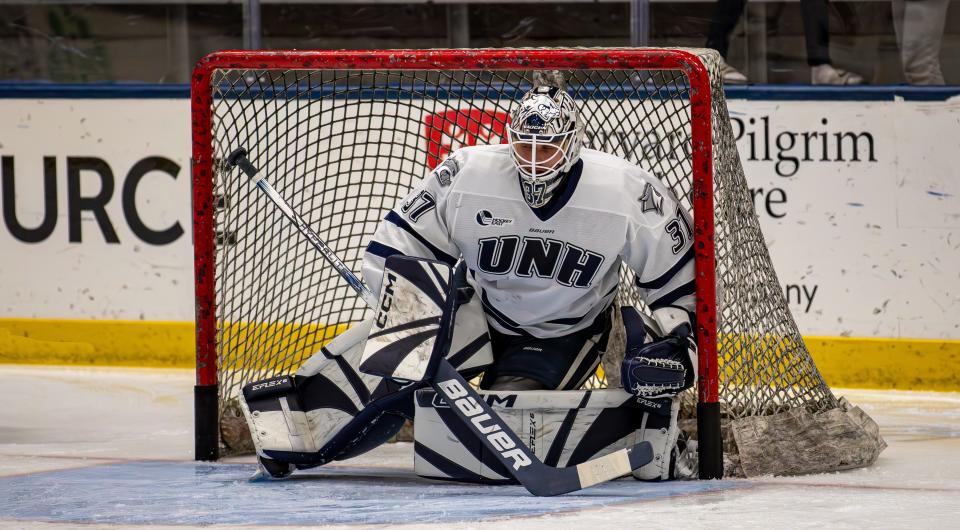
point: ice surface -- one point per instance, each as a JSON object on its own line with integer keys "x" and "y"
{"x": 112, "y": 448}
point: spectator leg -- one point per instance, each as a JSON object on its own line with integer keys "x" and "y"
{"x": 726, "y": 14}
{"x": 919, "y": 34}
{"x": 816, "y": 29}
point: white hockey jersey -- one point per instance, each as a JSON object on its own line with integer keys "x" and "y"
{"x": 550, "y": 271}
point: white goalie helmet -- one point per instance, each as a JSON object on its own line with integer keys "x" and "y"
{"x": 545, "y": 136}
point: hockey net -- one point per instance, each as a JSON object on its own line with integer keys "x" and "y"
{"x": 344, "y": 135}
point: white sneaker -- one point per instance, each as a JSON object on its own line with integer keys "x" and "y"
{"x": 826, "y": 74}
{"x": 731, "y": 75}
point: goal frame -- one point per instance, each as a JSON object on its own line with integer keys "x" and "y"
{"x": 700, "y": 100}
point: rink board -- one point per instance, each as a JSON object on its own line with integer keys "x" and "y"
{"x": 857, "y": 202}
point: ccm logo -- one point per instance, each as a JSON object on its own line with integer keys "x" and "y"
{"x": 386, "y": 301}
{"x": 501, "y": 441}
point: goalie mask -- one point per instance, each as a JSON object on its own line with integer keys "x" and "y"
{"x": 545, "y": 137}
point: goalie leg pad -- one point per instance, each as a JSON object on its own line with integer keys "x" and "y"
{"x": 275, "y": 415}
{"x": 562, "y": 428}
{"x": 321, "y": 413}
{"x": 369, "y": 429}
{"x": 427, "y": 311}
{"x": 287, "y": 431}
{"x": 659, "y": 427}
{"x": 331, "y": 409}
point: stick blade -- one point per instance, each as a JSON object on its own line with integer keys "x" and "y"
{"x": 614, "y": 465}
{"x": 641, "y": 454}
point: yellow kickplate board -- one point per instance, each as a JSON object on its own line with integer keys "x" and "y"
{"x": 907, "y": 364}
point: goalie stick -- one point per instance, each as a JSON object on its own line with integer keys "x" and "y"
{"x": 537, "y": 477}
{"x": 239, "y": 158}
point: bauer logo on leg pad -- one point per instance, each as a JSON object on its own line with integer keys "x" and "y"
{"x": 484, "y": 423}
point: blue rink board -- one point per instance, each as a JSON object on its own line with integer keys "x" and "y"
{"x": 195, "y": 493}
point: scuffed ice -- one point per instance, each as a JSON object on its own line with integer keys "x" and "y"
{"x": 189, "y": 493}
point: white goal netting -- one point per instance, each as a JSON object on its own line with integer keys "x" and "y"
{"x": 343, "y": 145}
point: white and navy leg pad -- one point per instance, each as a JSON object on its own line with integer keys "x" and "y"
{"x": 327, "y": 409}
{"x": 276, "y": 417}
{"x": 562, "y": 428}
{"x": 331, "y": 409}
{"x": 659, "y": 427}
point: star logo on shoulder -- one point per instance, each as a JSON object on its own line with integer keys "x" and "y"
{"x": 651, "y": 200}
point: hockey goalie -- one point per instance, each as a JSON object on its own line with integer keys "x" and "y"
{"x": 505, "y": 262}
